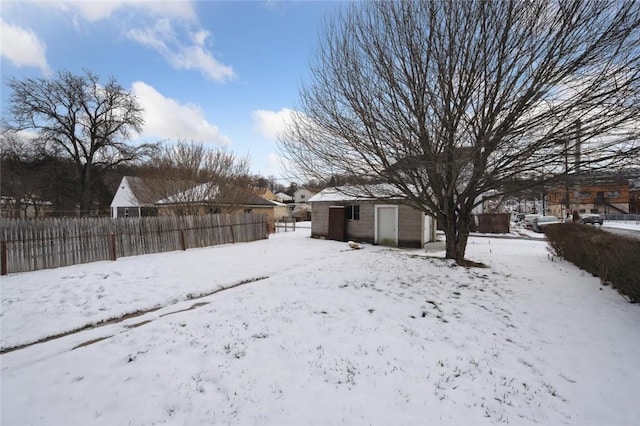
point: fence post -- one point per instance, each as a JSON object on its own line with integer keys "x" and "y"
{"x": 4, "y": 258}
{"x": 114, "y": 255}
{"x": 183, "y": 240}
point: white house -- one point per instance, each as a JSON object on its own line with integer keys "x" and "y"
{"x": 132, "y": 199}
{"x": 302, "y": 195}
{"x": 283, "y": 198}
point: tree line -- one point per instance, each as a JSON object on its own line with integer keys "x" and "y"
{"x": 48, "y": 181}
{"x": 66, "y": 144}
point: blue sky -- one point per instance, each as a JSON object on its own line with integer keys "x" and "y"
{"x": 217, "y": 72}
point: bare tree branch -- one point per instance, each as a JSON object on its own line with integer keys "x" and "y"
{"x": 88, "y": 122}
{"x": 447, "y": 100}
{"x": 189, "y": 178}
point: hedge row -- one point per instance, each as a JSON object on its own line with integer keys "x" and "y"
{"x": 614, "y": 258}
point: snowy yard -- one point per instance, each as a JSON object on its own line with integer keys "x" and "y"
{"x": 319, "y": 334}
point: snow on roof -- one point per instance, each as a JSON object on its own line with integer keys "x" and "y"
{"x": 203, "y": 192}
{"x": 352, "y": 193}
{"x": 257, "y": 200}
{"x": 283, "y": 196}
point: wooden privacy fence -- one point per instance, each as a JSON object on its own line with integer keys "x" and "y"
{"x": 494, "y": 223}
{"x": 29, "y": 245}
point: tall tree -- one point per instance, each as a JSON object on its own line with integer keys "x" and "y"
{"x": 77, "y": 116}
{"x": 445, "y": 101}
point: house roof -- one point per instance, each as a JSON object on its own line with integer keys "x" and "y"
{"x": 205, "y": 192}
{"x": 283, "y": 196}
{"x": 133, "y": 191}
{"x": 306, "y": 190}
{"x": 352, "y": 193}
{"x": 140, "y": 188}
{"x": 257, "y": 200}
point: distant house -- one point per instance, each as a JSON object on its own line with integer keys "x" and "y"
{"x": 258, "y": 204}
{"x": 132, "y": 199}
{"x": 283, "y": 198}
{"x": 302, "y": 195}
{"x": 634, "y": 196}
{"x": 300, "y": 209}
{"x": 199, "y": 199}
{"x": 603, "y": 193}
{"x": 25, "y": 208}
{"x": 345, "y": 213}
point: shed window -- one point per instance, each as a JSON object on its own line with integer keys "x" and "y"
{"x": 353, "y": 212}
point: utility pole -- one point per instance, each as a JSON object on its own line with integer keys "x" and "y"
{"x": 577, "y": 152}
{"x": 566, "y": 180}
{"x": 577, "y": 160}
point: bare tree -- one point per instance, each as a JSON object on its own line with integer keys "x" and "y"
{"x": 189, "y": 178}
{"x": 445, "y": 101}
{"x": 78, "y": 117}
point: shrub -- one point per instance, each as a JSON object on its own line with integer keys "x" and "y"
{"x": 614, "y": 258}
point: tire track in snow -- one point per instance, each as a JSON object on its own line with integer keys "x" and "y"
{"x": 125, "y": 317}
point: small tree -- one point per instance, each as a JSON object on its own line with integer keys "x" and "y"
{"x": 189, "y": 178}
{"x": 78, "y": 117}
{"x": 447, "y": 101}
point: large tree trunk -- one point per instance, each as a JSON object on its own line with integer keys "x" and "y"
{"x": 456, "y": 231}
{"x": 85, "y": 190}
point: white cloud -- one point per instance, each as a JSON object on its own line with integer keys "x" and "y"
{"x": 180, "y": 55}
{"x": 93, "y": 10}
{"x": 167, "y": 118}
{"x": 276, "y": 164}
{"x": 199, "y": 37}
{"x": 154, "y": 37}
{"x": 271, "y": 123}
{"x": 23, "y": 47}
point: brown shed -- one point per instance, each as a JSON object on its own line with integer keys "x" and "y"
{"x": 339, "y": 215}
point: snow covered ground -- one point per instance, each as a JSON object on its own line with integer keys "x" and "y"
{"x": 630, "y": 225}
{"x": 315, "y": 334}
{"x": 518, "y": 230}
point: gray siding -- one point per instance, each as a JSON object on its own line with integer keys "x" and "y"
{"x": 410, "y": 233}
{"x": 363, "y": 229}
{"x": 410, "y": 223}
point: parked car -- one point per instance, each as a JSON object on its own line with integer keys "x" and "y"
{"x": 528, "y": 220}
{"x": 542, "y": 221}
{"x": 591, "y": 218}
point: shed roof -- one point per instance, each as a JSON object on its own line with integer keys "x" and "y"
{"x": 353, "y": 193}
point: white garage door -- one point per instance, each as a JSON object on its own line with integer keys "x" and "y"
{"x": 386, "y": 219}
